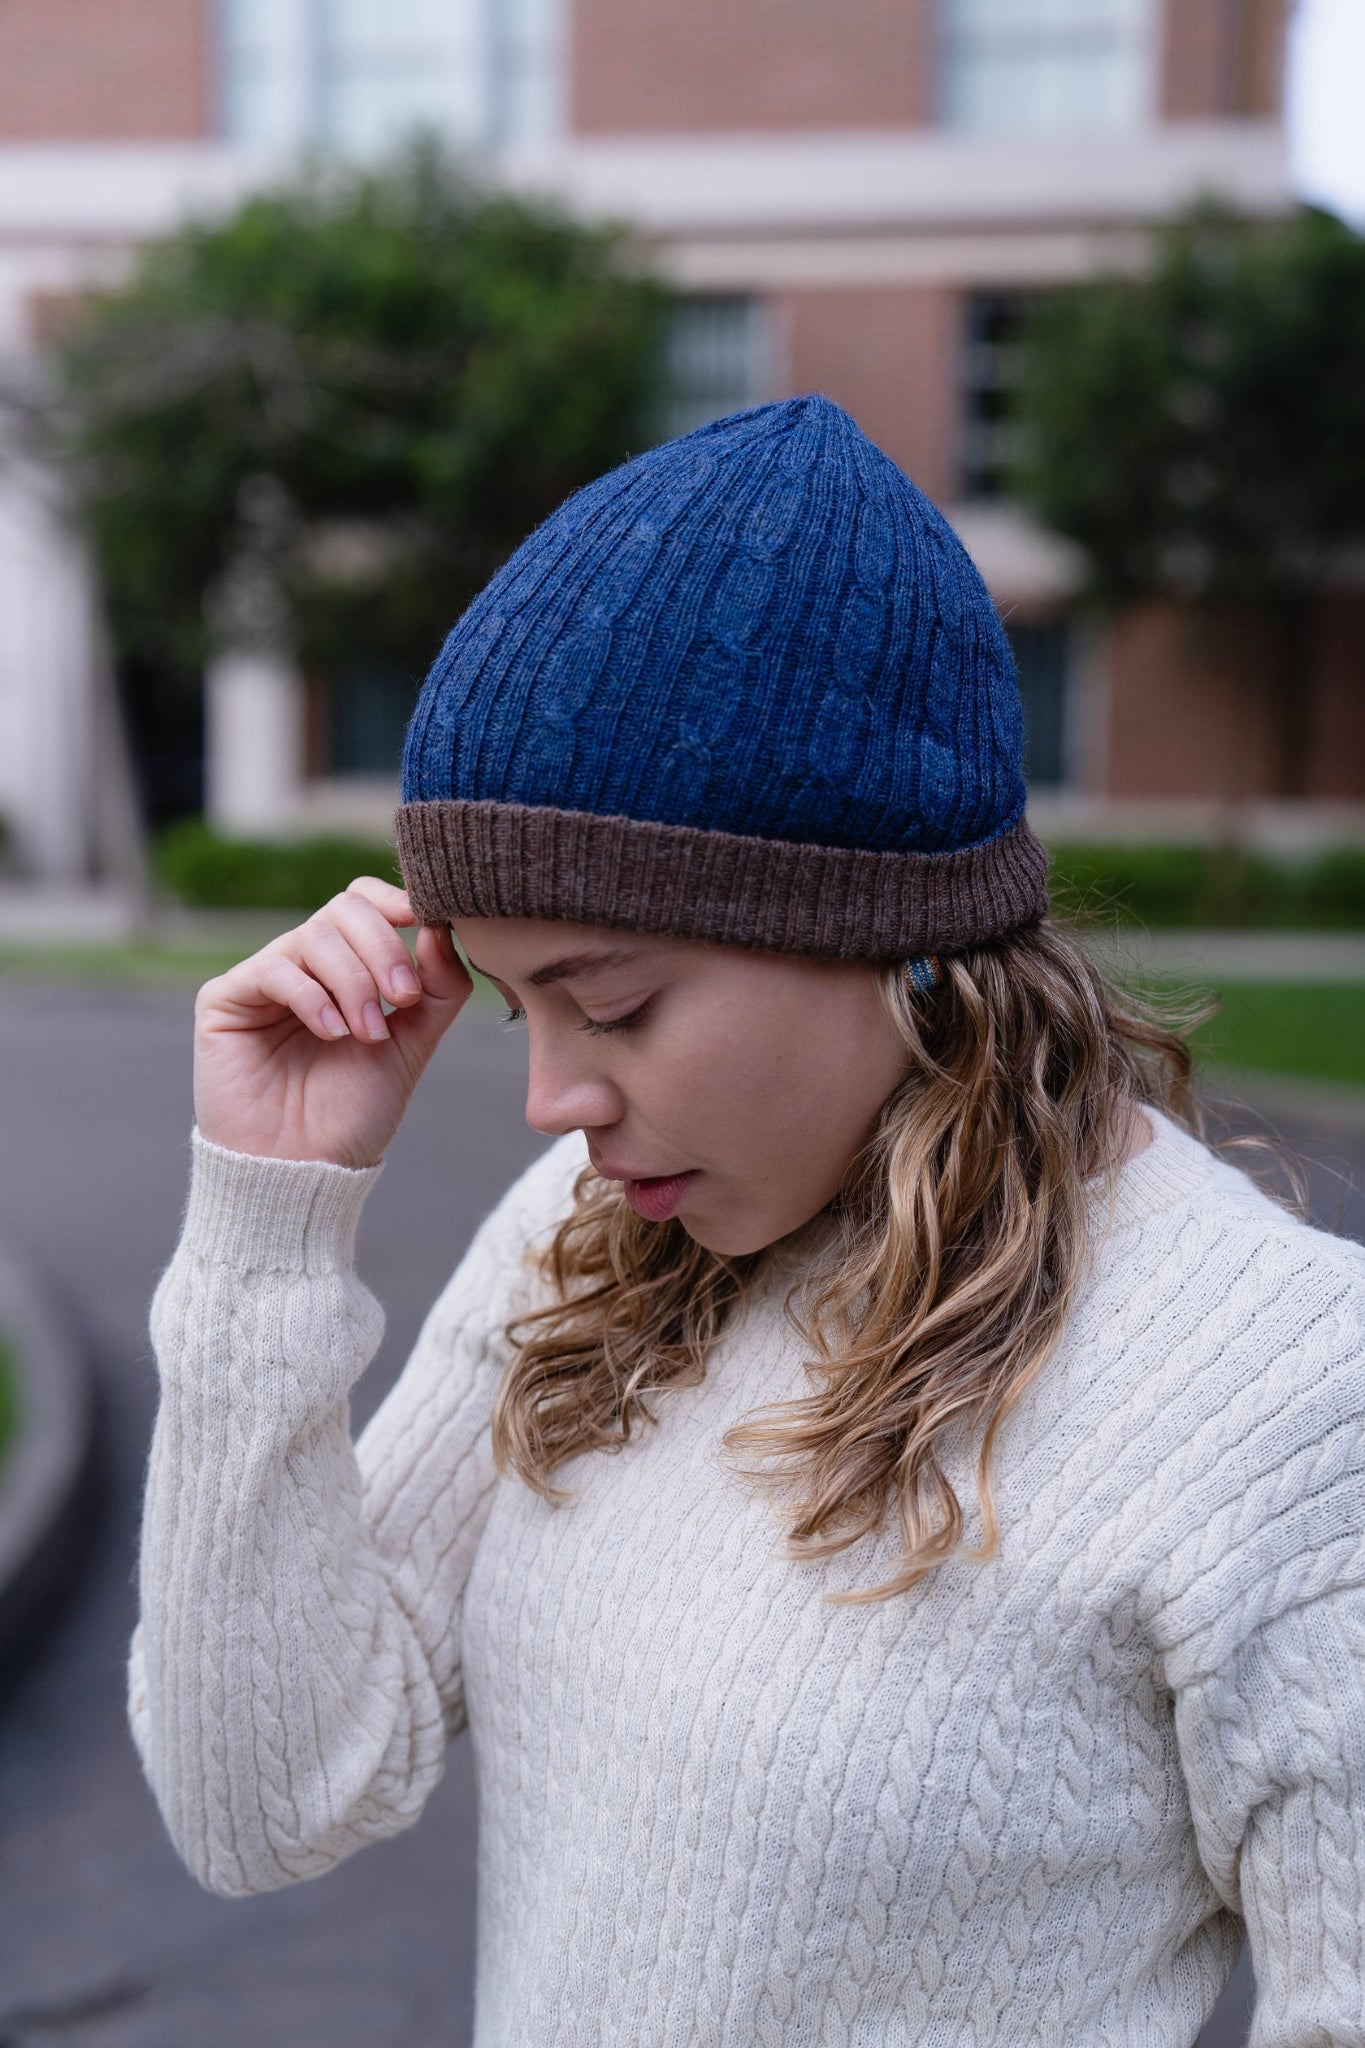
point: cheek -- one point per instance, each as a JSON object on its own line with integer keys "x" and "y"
{"x": 771, "y": 1101}
{"x": 714, "y": 1079}
{"x": 708, "y": 1083}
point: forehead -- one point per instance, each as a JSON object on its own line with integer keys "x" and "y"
{"x": 540, "y": 950}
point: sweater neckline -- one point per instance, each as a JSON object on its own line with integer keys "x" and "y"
{"x": 1173, "y": 1170}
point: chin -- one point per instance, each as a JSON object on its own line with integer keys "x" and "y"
{"x": 733, "y": 1238}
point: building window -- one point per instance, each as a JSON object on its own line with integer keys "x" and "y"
{"x": 526, "y": 68}
{"x": 367, "y": 710}
{"x": 360, "y": 76}
{"x": 716, "y": 361}
{"x": 1047, "y": 66}
{"x": 1043, "y": 662}
{"x": 994, "y": 322}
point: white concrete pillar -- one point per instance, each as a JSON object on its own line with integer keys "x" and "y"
{"x": 253, "y": 741}
{"x": 46, "y": 675}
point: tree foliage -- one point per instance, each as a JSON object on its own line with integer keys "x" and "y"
{"x": 1200, "y": 430}
{"x": 376, "y": 383}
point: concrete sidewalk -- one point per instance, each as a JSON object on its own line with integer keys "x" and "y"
{"x": 1218, "y": 956}
{"x": 34, "y": 913}
{"x": 59, "y": 919}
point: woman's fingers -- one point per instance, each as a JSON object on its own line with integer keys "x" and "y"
{"x": 436, "y": 970}
{"x": 379, "y": 964}
{"x": 336, "y": 971}
{"x": 446, "y": 986}
{"x": 261, "y": 1085}
{"x": 325, "y": 953}
{"x": 283, "y": 981}
{"x": 392, "y": 902}
{"x": 443, "y": 973}
{"x": 354, "y": 952}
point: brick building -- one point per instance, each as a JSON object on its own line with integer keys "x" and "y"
{"x": 853, "y": 197}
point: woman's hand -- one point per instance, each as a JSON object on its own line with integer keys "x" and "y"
{"x": 293, "y": 1056}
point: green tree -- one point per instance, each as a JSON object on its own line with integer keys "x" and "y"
{"x": 1200, "y": 431}
{"x": 380, "y": 381}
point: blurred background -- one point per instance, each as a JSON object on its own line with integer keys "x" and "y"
{"x": 309, "y": 311}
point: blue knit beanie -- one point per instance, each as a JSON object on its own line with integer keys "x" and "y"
{"x": 747, "y": 688}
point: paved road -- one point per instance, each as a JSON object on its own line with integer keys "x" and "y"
{"x": 98, "y": 1914}
{"x": 105, "y": 1942}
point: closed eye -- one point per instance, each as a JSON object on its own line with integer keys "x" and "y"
{"x": 626, "y": 1023}
{"x": 514, "y": 1016}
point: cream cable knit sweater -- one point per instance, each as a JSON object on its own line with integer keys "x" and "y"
{"x": 1025, "y": 1804}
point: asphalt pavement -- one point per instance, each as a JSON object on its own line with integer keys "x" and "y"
{"x": 105, "y": 1941}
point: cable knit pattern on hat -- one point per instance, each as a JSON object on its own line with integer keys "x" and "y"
{"x": 761, "y": 632}
{"x": 762, "y": 627}
{"x": 1025, "y": 1803}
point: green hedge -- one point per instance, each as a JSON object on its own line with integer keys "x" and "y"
{"x": 1211, "y": 886}
{"x": 199, "y": 867}
{"x": 1150, "y": 885}
{"x": 8, "y": 1406}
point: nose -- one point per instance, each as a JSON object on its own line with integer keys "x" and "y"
{"x": 565, "y": 1091}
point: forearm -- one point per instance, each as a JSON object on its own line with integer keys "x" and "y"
{"x": 284, "y": 1707}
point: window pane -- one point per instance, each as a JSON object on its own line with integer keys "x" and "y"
{"x": 994, "y": 322}
{"x": 1046, "y": 66}
{"x": 360, "y": 75}
{"x": 386, "y": 67}
{"x": 1042, "y": 656}
{"x": 716, "y": 361}
{"x": 368, "y": 712}
{"x": 267, "y": 72}
{"x": 527, "y": 40}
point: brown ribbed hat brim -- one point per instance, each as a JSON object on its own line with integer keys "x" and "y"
{"x": 462, "y": 859}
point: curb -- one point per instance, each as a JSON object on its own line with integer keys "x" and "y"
{"x": 1330, "y": 1110}
{"x": 42, "y": 1470}
{"x": 1204, "y": 958}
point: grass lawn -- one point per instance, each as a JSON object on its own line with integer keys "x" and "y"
{"x": 7, "y": 1402}
{"x": 1312, "y": 1029}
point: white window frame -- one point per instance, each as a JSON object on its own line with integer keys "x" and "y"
{"x": 282, "y": 65}
{"x": 710, "y": 375}
{"x": 1016, "y": 23}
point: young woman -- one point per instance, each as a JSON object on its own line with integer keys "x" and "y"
{"x": 889, "y": 1504}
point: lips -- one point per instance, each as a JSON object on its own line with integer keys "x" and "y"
{"x": 659, "y": 1196}
{"x": 655, "y": 1196}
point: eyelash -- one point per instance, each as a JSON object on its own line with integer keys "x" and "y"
{"x": 617, "y": 1023}
{"x": 588, "y": 1024}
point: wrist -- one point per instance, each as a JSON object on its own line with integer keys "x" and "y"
{"x": 257, "y": 1210}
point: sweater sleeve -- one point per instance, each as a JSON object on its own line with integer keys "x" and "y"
{"x": 1273, "y": 1747}
{"x": 294, "y": 1676}
{"x": 1266, "y": 1658}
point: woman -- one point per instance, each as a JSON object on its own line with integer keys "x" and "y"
{"x": 886, "y": 1500}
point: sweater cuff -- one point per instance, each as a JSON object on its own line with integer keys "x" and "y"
{"x": 289, "y": 1215}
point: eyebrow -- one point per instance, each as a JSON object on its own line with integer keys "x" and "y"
{"x": 571, "y": 965}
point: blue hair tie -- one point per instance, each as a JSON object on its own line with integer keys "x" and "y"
{"x": 924, "y": 972}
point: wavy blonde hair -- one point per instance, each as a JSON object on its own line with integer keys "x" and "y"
{"x": 961, "y": 1236}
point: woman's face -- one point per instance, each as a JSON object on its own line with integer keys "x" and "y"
{"x": 730, "y": 1089}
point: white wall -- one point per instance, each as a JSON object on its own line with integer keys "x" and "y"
{"x": 253, "y": 741}
{"x": 48, "y": 657}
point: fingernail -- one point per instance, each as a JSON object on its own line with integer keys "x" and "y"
{"x": 333, "y": 1021}
{"x": 404, "y": 982}
{"x": 374, "y": 1021}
